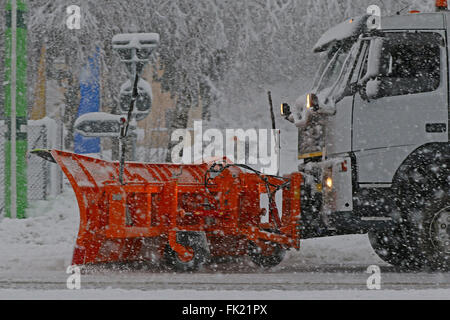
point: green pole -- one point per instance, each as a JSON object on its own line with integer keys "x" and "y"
{"x": 16, "y": 109}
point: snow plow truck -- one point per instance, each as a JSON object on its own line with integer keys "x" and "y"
{"x": 373, "y": 137}
{"x": 374, "y": 155}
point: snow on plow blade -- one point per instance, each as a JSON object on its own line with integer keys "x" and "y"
{"x": 166, "y": 211}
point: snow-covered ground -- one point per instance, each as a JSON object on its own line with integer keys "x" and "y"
{"x": 119, "y": 294}
{"x": 36, "y": 252}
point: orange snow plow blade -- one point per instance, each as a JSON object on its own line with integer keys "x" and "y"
{"x": 143, "y": 218}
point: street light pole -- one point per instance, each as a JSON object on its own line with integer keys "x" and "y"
{"x": 13, "y": 109}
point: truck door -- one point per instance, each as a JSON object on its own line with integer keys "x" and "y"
{"x": 338, "y": 127}
{"x": 409, "y": 107}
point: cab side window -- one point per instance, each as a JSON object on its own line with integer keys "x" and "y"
{"x": 410, "y": 63}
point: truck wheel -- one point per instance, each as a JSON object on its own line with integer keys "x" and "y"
{"x": 440, "y": 237}
{"x": 199, "y": 245}
{"x": 425, "y": 205}
{"x": 269, "y": 258}
{"x": 392, "y": 247}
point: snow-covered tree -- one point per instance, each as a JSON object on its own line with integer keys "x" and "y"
{"x": 214, "y": 51}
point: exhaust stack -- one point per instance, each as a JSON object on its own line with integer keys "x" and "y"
{"x": 441, "y": 5}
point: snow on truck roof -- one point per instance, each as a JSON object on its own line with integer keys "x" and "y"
{"x": 350, "y": 28}
{"x": 355, "y": 26}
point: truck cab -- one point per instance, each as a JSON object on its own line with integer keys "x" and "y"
{"x": 374, "y": 138}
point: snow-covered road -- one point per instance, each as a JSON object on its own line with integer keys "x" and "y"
{"x": 36, "y": 252}
{"x": 292, "y": 278}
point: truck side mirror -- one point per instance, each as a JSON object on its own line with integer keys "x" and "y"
{"x": 285, "y": 110}
{"x": 373, "y": 61}
{"x": 312, "y": 102}
{"x": 373, "y": 89}
{"x": 368, "y": 84}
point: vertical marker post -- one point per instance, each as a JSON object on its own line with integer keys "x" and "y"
{"x": 16, "y": 110}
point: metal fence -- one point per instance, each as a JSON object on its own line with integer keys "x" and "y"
{"x": 38, "y": 171}
{"x": 44, "y": 178}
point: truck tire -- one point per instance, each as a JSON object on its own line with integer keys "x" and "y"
{"x": 425, "y": 205}
{"x": 266, "y": 259}
{"x": 199, "y": 245}
{"x": 391, "y": 246}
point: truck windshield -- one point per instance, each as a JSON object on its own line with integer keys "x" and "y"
{"x": 331, "y": 67}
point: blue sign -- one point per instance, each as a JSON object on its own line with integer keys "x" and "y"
{"x": 89, "y": 102}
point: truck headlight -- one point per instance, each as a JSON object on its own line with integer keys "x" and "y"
{"x": 329, "y": 193}
{"x": 328, "y": 179}
{"x": 329, "y": 182}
